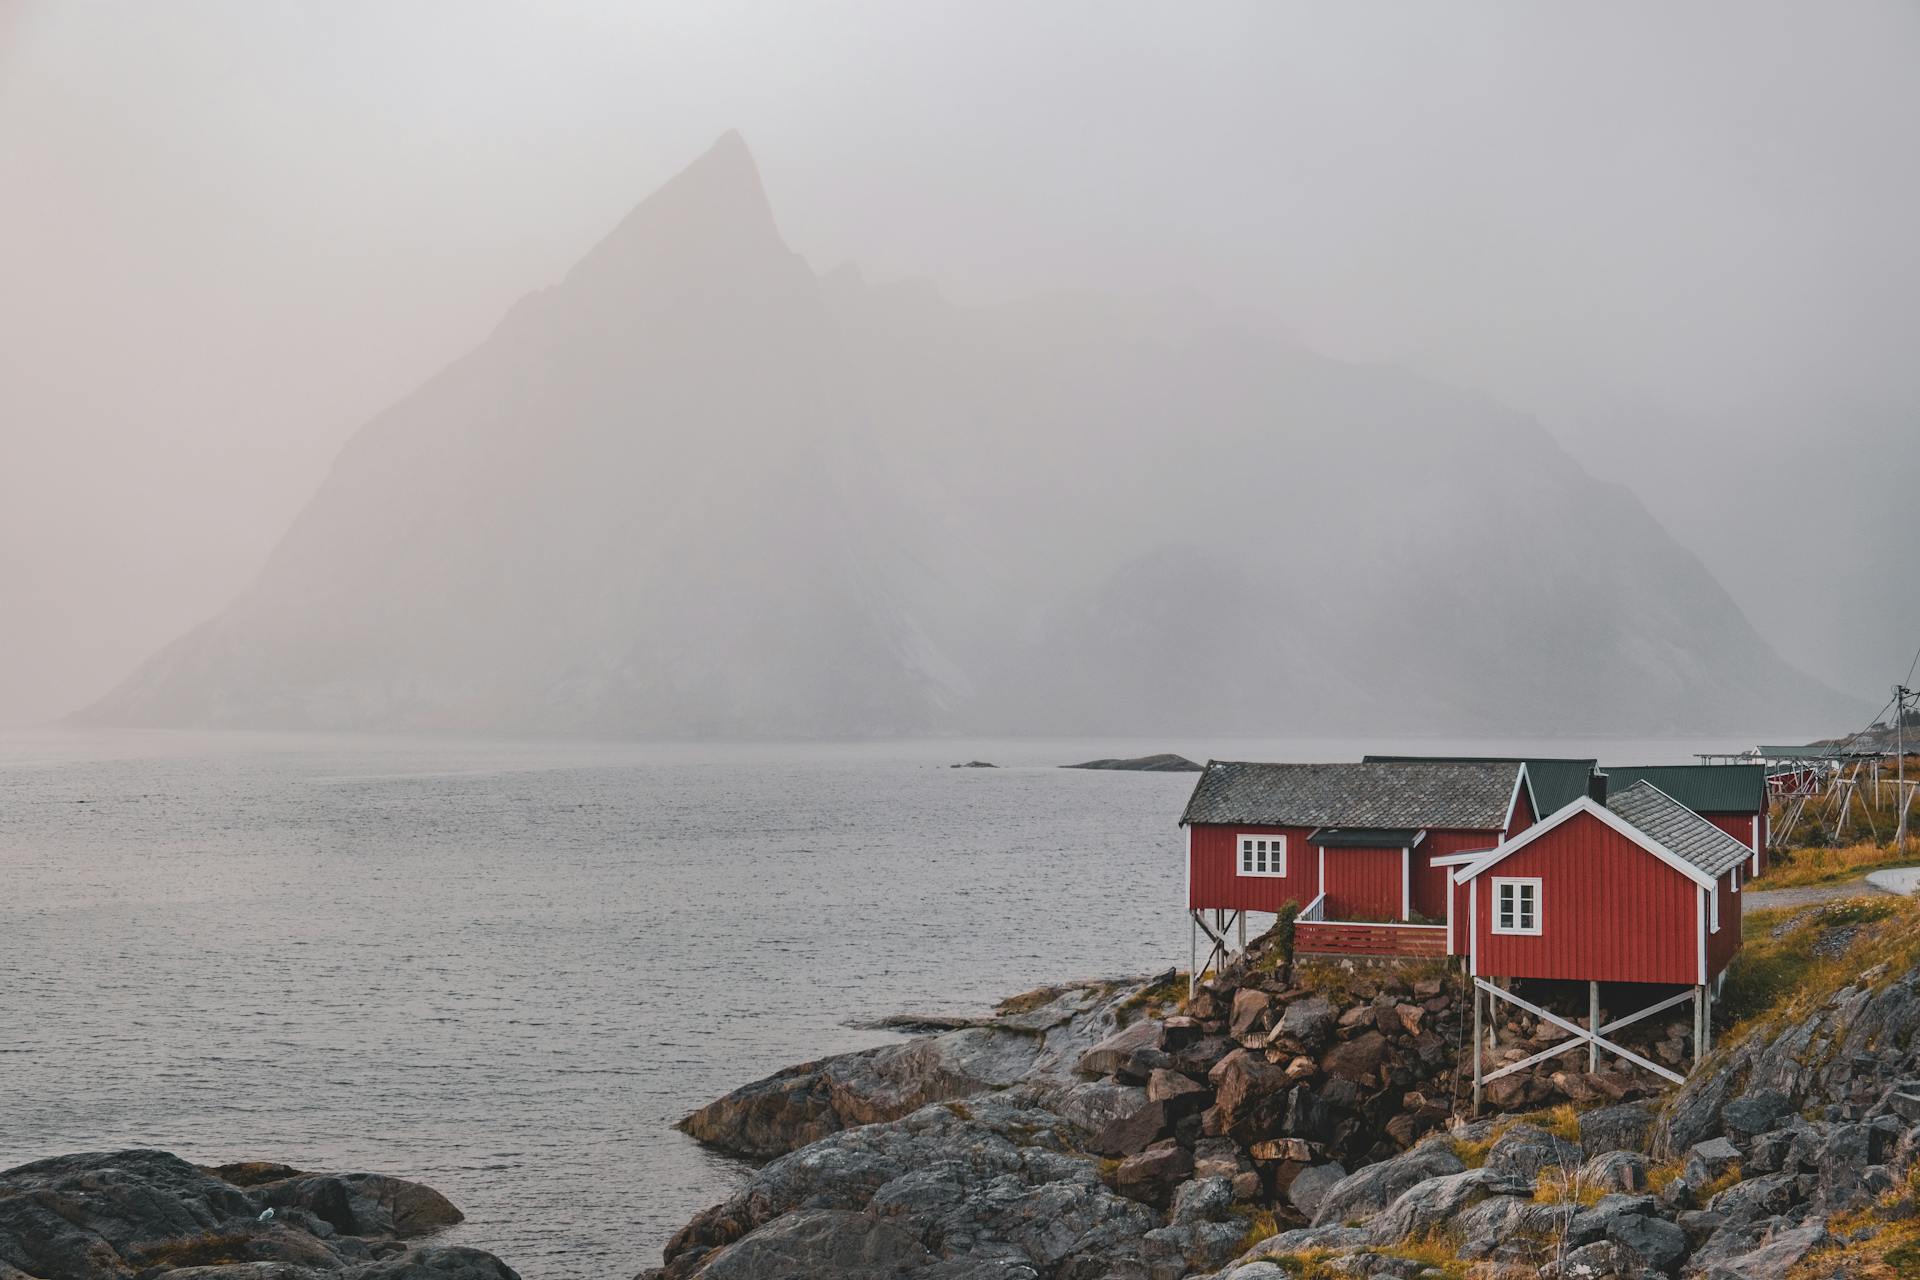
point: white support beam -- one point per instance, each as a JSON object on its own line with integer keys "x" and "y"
{"x": 1596, "y": 1040}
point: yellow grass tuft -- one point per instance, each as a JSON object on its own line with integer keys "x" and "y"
{"x": 1795, "y": 868}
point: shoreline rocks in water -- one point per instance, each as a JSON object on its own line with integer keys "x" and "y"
{"x": 1286, "y": 1123}
{"x": 1165, "y": 762}
{"x": 975, "y": 764}
{"x": 145, "y": 1213}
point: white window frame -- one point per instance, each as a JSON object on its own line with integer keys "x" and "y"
{"x": 1276, "y": 847}
{"x": 1519, "y": 883}
{"x": 1713, "y": 908}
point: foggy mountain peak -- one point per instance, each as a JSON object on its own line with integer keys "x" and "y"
{"x": 710, "y": 223}
{"x": 691, "y": 492}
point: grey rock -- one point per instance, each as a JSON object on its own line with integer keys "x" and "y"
{"x": 1708, "y": 1160}
{"x": 1201, "y": 1200}
{"x": 1523, "y": 1151}
{"x": 1428, "y": 1205}
{"x": 1111, "y": 1054}
{"x": 1310, "y": 1186}
{"x": 361, "y": 1204}
{"x": 1659, "y": 1245}
{"x": 985, "y": 1179}
{"x": 1625, "y": 1126}
{"x": 104, "y": 1215}
{"x": 1596, "y": 1221}
{"x": 1752, "y": 1114}
{"x": 1616, "y": 1171}
{"x": 1772, "y": 1258}
{"x": 1766, "y": 1196}
{"x": 1308, "y": 1023}
{"x": 1368, "y": 1191}
{"x": 1037, "y": 1048}
{"x": 819, "y": 1243}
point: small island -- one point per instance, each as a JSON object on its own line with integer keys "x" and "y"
{"x": 1165, "y": 762}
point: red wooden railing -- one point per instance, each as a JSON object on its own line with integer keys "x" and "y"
{"x": 1342, "y": 939}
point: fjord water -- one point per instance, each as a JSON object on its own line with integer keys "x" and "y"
{"x": 505, "y": 969}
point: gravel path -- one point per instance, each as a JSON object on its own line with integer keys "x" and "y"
{"x": 1767, "y": 899}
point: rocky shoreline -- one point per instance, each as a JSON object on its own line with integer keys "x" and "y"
{"x": 1284, "y": 1123}
{"x": 1289, "y": 1124}
{"x": 146, "y": 1213}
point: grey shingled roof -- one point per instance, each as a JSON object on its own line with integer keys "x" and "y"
{"x": 1556, "y": 781}
{"x": 1379, "y": 794}
{"x": 1677, "y": 828}
{"x": 1703, "y": 788}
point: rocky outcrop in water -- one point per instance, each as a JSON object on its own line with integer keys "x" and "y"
{"x": 1165, "y": 762}
{"x": 112, "y": 1215}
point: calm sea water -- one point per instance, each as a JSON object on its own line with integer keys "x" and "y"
{"x": 505, "y": 969}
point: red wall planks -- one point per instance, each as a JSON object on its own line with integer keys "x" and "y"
{"x": 1609, "y": 911}
{"x": 1363, "y": 884}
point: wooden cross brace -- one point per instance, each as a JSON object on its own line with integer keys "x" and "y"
{"x": 1580, "y": 1035}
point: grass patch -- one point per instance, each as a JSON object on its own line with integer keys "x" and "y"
{"x": 1439, "y": 1252}
{"x": 1472, "y": 1154}
{"x": 1826, "y": 864}
{"x": 1027, "y": 1001}
{"x": 1261, "y": 1225}
{"x": 1563, "y": 1122}
{"x": 1169, "y": 995}
{"x": 1661, "y": 1175}
{"x": 1790, "y": 954}
{"x": 1719, "y": 1184}
{"x": 1560, "y": 1186}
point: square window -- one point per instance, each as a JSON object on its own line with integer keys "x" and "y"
{"x": 1263, "y": 855}
{"x": 1516, "y": 906}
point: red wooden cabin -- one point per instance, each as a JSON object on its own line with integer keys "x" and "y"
{"x": 1733, "y": 797}
{"x": 1639, "y": 890}
{"x": 1362, "y": 849}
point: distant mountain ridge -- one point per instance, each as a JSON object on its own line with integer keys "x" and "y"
{"x": 696, "y": 490}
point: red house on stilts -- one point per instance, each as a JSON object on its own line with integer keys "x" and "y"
{"x": 1363, "y": 849}
{"x": 1639, "y": 890}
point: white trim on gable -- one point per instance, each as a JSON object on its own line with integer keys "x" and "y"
{"x": 1533, "y": 801}
{"x": 1573, "y": 809}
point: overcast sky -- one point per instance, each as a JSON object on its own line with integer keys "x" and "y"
{"x": 1682, "y": 236}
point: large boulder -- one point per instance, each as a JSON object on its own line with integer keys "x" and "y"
{"x": 1042, "y": 1047}
{"x": 1625, "y": 1126}
{"x": 107, "y": 1215}
{"x": 1310, "y": 1186}
{"x": 819, "y": 1243}
{"x": 1773, "y": 1256}
{"x": 987, "y": 1178}
{"x": 1367, "y": 1192}
{"x": 1307, "y": 1024}
{"x": 1524, "y": 1150}
{"x": 362, "y": 1204}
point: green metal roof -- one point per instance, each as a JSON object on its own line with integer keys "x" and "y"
{"x": 1703, "y": 788}
{"x": 1556, "y": 782}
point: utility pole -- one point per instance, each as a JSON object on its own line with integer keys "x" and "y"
{"x": 1901, "y": 697}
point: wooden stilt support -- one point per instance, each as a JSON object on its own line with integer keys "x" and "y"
{"x": 1594, "y": 1037}
{"x": 1593, "y": 1025}
{"x": 1219, "y": 950}
{"x": 1699, "y": 1021}
{"x": 1479, "y": 1000}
